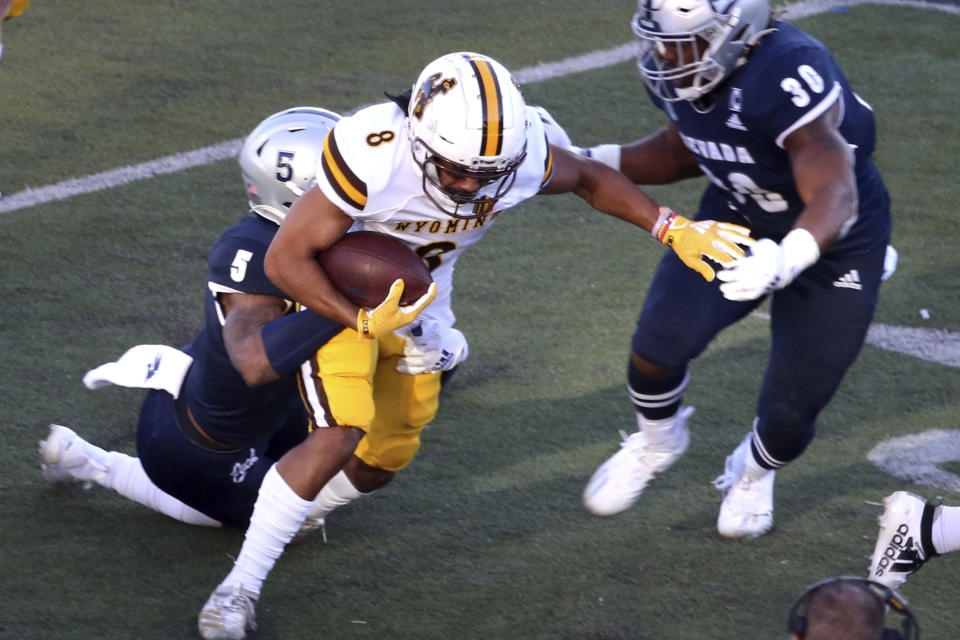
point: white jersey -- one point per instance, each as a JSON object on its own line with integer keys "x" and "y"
{"x": 367, "y": 170}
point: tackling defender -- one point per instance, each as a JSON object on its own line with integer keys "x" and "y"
{"x": 765, "y": 112}
{"x": 434, "y": 167}
{"x": 227, "y": 406}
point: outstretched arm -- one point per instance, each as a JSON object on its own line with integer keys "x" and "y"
{"x": 613, "y": 193}
{"x": 660, "y": 158}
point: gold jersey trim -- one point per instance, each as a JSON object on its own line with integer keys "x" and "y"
{"x": 345, "y": 182}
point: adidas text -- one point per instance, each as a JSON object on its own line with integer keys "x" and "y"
{"x": 893, "y": 549}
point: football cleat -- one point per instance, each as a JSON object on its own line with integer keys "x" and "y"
{"x": 228, "y": 614}
{"x": 905, "y": 539}
{"x": 309, "y": 526}
{"x": 747, "y": 507}
{"x": 618, "y": 483}
{"x": 69, "y": 458}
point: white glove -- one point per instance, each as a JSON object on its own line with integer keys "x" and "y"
{"x": 769, "y": 266}
{"x": 431, "y": 347}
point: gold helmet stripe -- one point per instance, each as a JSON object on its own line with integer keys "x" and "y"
{"x": 491, "y": 100}
{"x": 345, "y": 182}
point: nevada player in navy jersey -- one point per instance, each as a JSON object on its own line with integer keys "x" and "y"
{"x": 220, "y": 413}
{"x": 766, "y": 114}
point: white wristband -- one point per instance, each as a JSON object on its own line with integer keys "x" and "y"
{"x": 800, "y": 250}
{"x": 608, "y": 154}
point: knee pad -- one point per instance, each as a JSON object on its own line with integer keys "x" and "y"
{"x": 389, "y": 451}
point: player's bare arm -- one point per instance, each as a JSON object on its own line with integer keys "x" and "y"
{"x": 611, "y": 192}
{"x": 313, "y": 224}
{"x": 659, "y": 158}
{"x": 246, "y": 315}
{"x": 822, "y": 164}
{"x": 603, "y": 188}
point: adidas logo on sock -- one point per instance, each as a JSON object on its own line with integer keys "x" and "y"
{"x": 849, "y": 280}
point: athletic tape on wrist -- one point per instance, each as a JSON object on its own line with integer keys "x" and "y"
{"x": 800, "y": 250}
{"x": 608, "y": 154}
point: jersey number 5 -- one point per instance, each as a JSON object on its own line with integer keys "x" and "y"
{"x": 238, "y": 268}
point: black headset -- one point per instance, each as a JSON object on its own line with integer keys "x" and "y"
{"x": 892, "y": 601}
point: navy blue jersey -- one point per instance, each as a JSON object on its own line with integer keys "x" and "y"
{"x": 224, "y": 406}
{"x": 789, "y": 80}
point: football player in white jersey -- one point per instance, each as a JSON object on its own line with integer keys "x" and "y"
{"x": 435, "y": 168}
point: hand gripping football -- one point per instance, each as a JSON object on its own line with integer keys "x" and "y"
{"x": 362, "y": 265}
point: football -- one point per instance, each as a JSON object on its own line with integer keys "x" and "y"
{"x": 362, "y": 265}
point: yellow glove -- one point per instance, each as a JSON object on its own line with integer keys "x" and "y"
{"x": 17, "y": 7}
{"x": 692, "y": 241}
{"x": 389, "y": 315}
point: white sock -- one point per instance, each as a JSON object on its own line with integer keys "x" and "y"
{"x": 752, "y": 469}
{"x": 336, "y": 493}
{"x": 946, "y": 529}
{"x": 277, "y": 516}
{"x": 126, "y": 476}
{"x": 661, "y": 434}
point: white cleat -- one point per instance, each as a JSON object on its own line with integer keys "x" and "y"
{"x": 618, "y": 483}
{"x": 902, "y": 546}
{"x": 69, "y": 458}
{"x": 228, "y": 614}
{"x": 747, "y": 507}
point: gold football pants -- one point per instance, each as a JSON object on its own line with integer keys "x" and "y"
{"x": 355, "y": 383}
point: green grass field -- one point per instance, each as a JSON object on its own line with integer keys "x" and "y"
{"x": 484, "y": 535}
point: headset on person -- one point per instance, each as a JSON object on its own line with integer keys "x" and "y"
{"x": 892, "y": 601}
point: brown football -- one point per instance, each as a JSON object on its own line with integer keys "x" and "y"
{"x": 362, "y": 265}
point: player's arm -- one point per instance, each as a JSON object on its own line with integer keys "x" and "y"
{"x": 660, "y": 158}
{"x": 313, "y": 224}
{"x": 264, "y": 342}
{"x": 822, "y": 163}
{"x": 611, "y": 192}
{"x": 603, "y": 188}
{"x": 246, "y": 316}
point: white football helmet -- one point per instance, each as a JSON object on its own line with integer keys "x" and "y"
{"x": 708, "y": 39}
{"x": 279, "y": 159}
{"x": 467, "y": 118}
